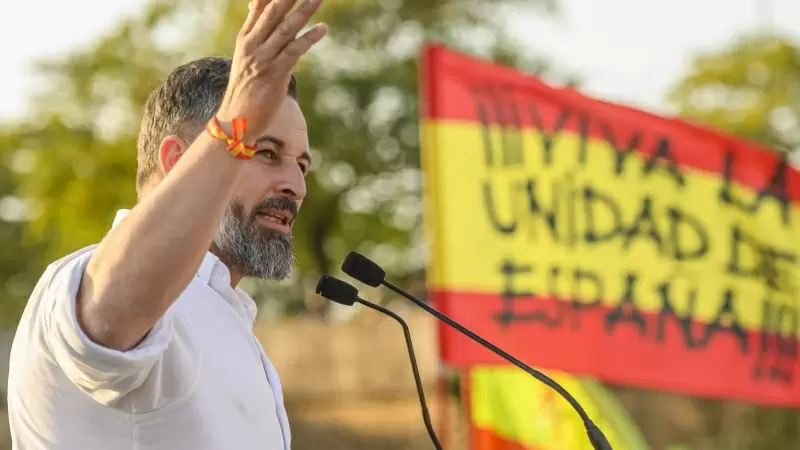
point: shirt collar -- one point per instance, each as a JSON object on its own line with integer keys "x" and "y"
{"x": 121, "y": 214}
{"x": 206, "y": 274}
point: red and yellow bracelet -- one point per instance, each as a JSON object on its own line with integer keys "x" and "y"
{"x": 236, "y": 147}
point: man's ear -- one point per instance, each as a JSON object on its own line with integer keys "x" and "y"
{"x": 171, "y": 150}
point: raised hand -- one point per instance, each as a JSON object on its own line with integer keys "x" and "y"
{"x": 267, "y": 50}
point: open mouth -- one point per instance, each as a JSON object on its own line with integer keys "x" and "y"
{"x": 277, "y": 216}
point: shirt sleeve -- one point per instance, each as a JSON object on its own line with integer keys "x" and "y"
{"x": 107, "y": 375}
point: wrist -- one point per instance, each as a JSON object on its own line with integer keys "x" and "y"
{"x": 226, "y": 119}
{"x": 234, "y": 134}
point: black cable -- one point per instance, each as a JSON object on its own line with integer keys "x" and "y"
{"x": 417, "y": 379}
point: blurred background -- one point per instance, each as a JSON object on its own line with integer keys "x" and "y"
{"x": 76, "y": 74}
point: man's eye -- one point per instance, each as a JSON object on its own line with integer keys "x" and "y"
{"x": 268, "y": 154}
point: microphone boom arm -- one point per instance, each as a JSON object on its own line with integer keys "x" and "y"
{"x": 596, "y": 436}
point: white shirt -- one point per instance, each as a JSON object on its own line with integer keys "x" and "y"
{"x": 199, "y": 381}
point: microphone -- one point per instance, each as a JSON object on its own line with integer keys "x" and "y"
{"x": 345, "y": 294}
{"x": 364, "y": 270}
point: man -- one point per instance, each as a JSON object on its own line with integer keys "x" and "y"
{"x": 142, "y": 341}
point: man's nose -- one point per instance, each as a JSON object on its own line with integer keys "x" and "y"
{"x": 292, "y": 183}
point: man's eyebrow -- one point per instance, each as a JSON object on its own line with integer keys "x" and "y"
{"x": 271, "y": 139}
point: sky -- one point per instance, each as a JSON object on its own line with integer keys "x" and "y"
{"x": 629, "y": 51}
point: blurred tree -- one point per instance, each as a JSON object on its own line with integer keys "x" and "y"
{"x": 752, "y": 89}
{"x": 66, "y": 168}
{"x": 358, "y": 91}
{"x": 17, "y": 261}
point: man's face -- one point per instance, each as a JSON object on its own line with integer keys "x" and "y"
{"x": 255, "y": 235}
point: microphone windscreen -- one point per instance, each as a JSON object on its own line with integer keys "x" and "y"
{"x": 362, "y": 269}
{"x": 337, "y": 290}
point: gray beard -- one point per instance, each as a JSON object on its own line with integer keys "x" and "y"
{"x": 252, "y": 250}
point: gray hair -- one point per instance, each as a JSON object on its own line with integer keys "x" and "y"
{"x": 184, "y": 102}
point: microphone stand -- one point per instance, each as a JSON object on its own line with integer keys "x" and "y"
{"x": 596, "y": 436}
{"x": 417, "y": 379}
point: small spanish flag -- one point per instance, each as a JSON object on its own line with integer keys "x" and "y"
{"x": 509, "y": 410}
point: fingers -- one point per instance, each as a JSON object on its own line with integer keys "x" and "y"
{"x": 270, "y": 19}
{"x": 270, "y": 31}
{"x": 297, "y": 48}
{"x": 255, "y": 9}
{"x": 286, "y": 30}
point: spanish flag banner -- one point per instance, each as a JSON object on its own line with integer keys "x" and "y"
{"x": 509, "y": 410}
{"x": 599, "y": 240}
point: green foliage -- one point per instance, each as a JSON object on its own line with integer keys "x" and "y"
{"x": 358, "y": 91}
{"x": 17, "y": 272}
{"x": 751, "y": 89}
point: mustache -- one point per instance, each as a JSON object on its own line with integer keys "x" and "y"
{"x": 279, "y": 203}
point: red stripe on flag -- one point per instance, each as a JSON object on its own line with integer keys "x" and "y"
{"x": 483, "y": 439}
{"x": 454, "y": 85}
{"x": 582, "y": 344}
